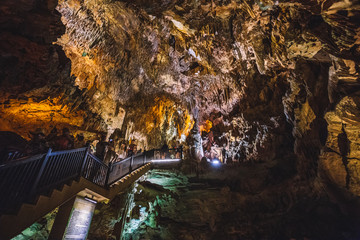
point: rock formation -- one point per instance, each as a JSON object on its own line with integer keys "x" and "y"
{"x": 272, "y": 81}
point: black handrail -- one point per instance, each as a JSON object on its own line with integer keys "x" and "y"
{"x": 94, "y": 170}
{"x": 20, "y": 161}
{"x": 9, "y": 154}
{"x": 16, "y": 181}
{"x": 23, "y": 179}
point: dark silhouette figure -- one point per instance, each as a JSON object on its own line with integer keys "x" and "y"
{"x": 38, "y": 143}
{"x": 165, "y": 151}
{"x": 132, "y": 149}
{"x": 79, "y": 141}
{"x": 51, "y": 138}
{"x": 178, "y": 151}
{"x": 101, "y": 148}
{"x": 65, "y": 141}
{"x": 344, "y": 147}
{"x": 203, "y": 165}
{"x": 224, "y": 154}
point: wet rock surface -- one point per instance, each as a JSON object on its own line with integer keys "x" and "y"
{"x": 39, "y": 230}
{"x": 225, "y": 203}
{"x": 271, "y": 82}
{"x": 256, "y": 65}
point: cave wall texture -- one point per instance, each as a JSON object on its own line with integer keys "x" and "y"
{"x": 277, "y": 80}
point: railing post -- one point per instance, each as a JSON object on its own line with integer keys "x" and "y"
{"x": 181, "y": 152}
{"x": 84, "y": 161}
{"x": 108, "y": 175}
{"x": 36, "y": 183}
{"x": 131, "y": 163}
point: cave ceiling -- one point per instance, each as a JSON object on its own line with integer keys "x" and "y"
{"x": 270, "y": 78}
{"x": 201, "y": 53}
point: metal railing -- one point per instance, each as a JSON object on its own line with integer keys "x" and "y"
{"x": 7, "y": 155}
{"x": 95, "y": 170}
{"x": 57, "y": 168}
{"x": 125, "y": 166}
{"x": 16, "y": 181}
{"x": 22, "y": 180}
{"x": 172, "y": 153}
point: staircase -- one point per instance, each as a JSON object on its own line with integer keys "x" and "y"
{"x": 32, "y": 187}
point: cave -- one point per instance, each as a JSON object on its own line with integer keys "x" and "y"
{"x": 261, "y": 97}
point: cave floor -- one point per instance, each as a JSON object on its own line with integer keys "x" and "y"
{"x": 228, "y": 202}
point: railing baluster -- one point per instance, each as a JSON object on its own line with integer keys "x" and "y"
{"x": 33, "y": 190}
{"x": 42, "y": 172}
{"x": 46, "y": 178}
{"x": 57, "y": 160}
{"x": 92, "y": 169}
{"x": 84, "y": 161}
{"x": 61, "y": 167}
{"x": 108, "y": 174}
{"x": 87, "y": 171}
{"x": 102, "y": 174}
{"x": 69, "y": 163}
{"x": 65, "y": 164}
{"x": 51, "y": 177}
{"x": 74, "y": 167}
{"x": 22, "y": 179}
{"x": 5, "y": 178}
{"x": 62, "y": 164}
{"x": 98, "y": 173}
{"x": 13, "y": 186}
{"x": 84, "y": 171}
{"x": 78, "y": 162}
{"x": 30, "y": 170}
{"x": 7, "y": 191}
{"x": 81, "y": 160}
{"x": 74, "y": 163}
{"x": 131, "y": 163}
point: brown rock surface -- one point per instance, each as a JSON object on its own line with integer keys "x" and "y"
{"x": 277, "y": 81}
{"x": 340, "y": 161}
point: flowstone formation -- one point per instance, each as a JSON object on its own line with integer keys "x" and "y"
{"x": 243, "y": 60}
{"x": 263, "y": 73}
{"x": 208, "y": 54}
{"x": 37, "y": 89}
{"x": 271, "y": 82}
